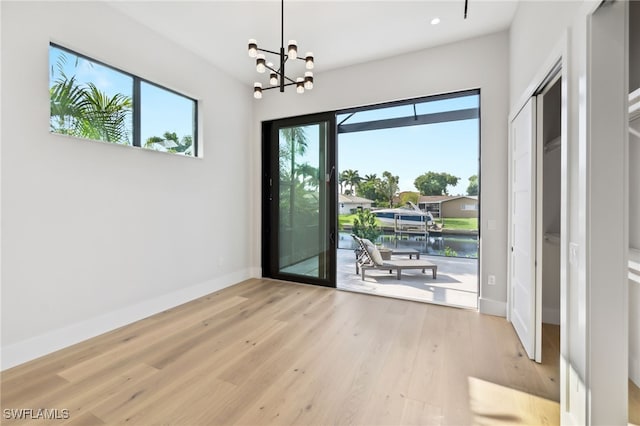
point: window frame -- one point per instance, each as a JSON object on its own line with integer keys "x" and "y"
{"x": 136, "y": 103}
{"x": 469, "y": 207}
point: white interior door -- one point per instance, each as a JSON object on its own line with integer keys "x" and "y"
{"x": 523, "y": 226}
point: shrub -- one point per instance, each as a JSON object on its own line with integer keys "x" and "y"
{"x": 365, "y": 225}
{"x": 449, "y": 252}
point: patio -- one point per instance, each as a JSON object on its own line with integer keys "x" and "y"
{"x": 456, "y": 285}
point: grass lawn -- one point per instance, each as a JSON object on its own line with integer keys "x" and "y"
{"x": 467, "y": 224}
{"x": 345, "y": 219}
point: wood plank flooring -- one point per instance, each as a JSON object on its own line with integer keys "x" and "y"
{"x": 634, "y": 404}
{"x": 268, "y": 352}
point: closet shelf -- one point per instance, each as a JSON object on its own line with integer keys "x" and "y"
{"x": 634, "y": 257}
{"x": 634, "y": 265}
{"x": 634, "y": 104}
{"x": 552, "y": 237}
{"x": 552, "y": 145}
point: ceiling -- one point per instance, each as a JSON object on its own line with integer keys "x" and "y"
{"x": 339, "y": 33}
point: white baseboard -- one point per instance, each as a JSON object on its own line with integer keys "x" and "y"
{"x": 551, "y": 315}
{"x": 256, "y": 272}
{"x": 634, "y": 317}
{"x": 577, "y": 399}
{"x": 35, "y": 347}
{"x": 492, "y": 307}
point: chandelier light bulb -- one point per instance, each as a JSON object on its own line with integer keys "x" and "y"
{"x": 308, "y": 80}
{"x": 260, "y": 63}
{"x": 277, "y": 76}
{"x": 309, "y": 60}
{"x": 253, "y": 48}
{"x": 293, "y": 49}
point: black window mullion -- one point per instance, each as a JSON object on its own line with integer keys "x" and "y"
{"x": 195, "y": 128}
{"x": 136, "y": 111}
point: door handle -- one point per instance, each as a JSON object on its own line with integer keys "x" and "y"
{"x": 329, "y": 176}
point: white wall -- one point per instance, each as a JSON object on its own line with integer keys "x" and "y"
{"x": 634, "y": 243}
{"x": 590, "y": 354}
{"x": 347, "y": 208}
{"x": 536, "y": 28}
{"x": 478, "y": 63}
{"x": 634, "y": 45}
{"x": 96, "y": 235}
{"x": 634, "y": 191}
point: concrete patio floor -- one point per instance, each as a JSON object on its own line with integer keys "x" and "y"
{"x": 456, "y": 285}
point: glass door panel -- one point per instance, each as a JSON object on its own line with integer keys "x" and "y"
{"x": 302, "y": 201}
{"x": 301, "y": 195}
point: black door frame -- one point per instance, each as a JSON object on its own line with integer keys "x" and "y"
{"x": 270, "y": 191}
{"x": 270, "y": 165}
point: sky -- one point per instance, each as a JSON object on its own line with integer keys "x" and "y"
{"x": 161, "y": 110}
{"x": 408, "y": 152}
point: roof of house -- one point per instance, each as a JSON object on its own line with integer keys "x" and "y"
{"x": 443, "y": 198}
{"x": 353, "y": 199}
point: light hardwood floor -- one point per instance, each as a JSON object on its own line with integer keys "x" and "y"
{"x": 634, "y": 404}
{"x": 269, "y": 352}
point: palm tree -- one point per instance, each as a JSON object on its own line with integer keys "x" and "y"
{"x": 296, "y": 137}
{"x": 104, "y": 118}
{"x": 85, "y": 111}
{"x": 370, "y": 178}
{"x": 369, "y": 187}
{"x": 389, "y": 186}
{"x": 309, "y": 176}
{"x": 341, "y": 181}
{"x": 351, "y": 178}
{"x": 65, "y": 98}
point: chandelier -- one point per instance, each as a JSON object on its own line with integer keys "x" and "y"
{"x": 277, "y": 77}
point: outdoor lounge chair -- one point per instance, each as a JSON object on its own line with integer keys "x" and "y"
{"x": 368, "y": 257}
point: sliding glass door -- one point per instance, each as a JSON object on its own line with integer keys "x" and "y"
{"x": 299, "y": 199}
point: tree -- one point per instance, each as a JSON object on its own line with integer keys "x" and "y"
{"x": 85, "y": 111}
{"x": 406, "y": 197}
{"x": 352, "y": 178}
{"x": 171, "y": 143}
{"x": 296, "y": 139}
{"x": 472, "y": 189}
{"x": 370, "y": 189}
{"x": 432, "y": 183}
{"x": 308, "y": 175}
{"x": 388, "y": 186}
